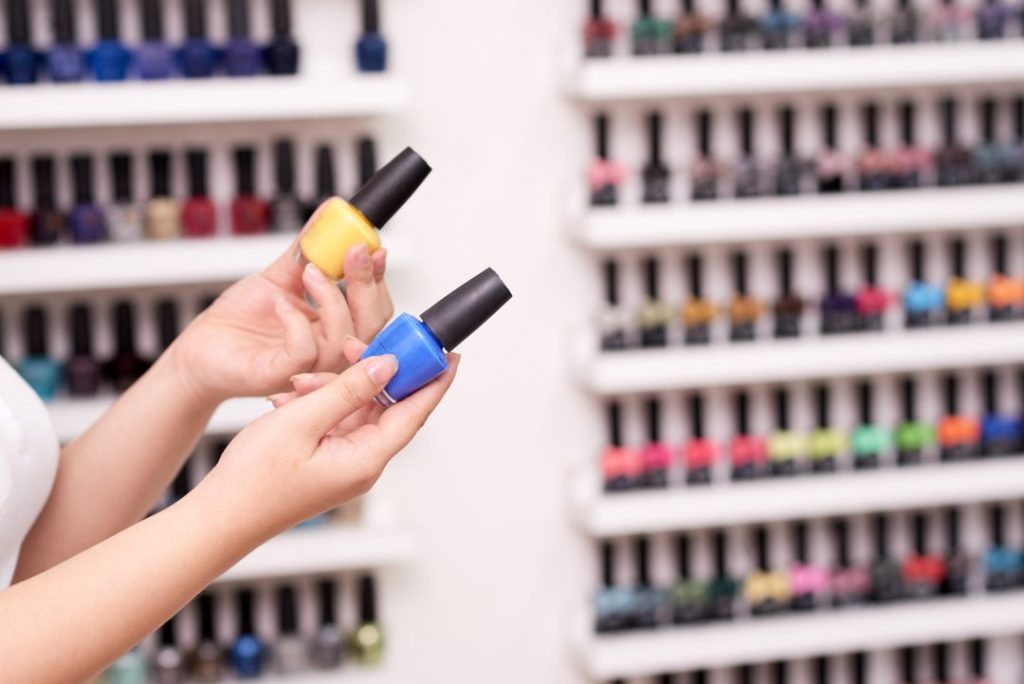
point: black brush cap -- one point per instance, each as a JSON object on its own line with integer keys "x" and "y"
{"x": 63, "y": 21}
{"x": 81, "y": 330}
{"x": 81, "y": 170}
{"x": 281, "y": 17}
{"x": 286, "y": 610}
{"x": 195, "y": 19}
{"x": 35, "y": 332}
{"x": 459, "y": 314}
{"x": 391, "y": 187}
{"x": 284, "y": 165}
{"x": 121, "y": 171}
{"x": 367, "y": 160}
{"x": 197, "y": 173}
{"x": 152, "y": 20}
{"x": 18, "y": 30}
{"x": 7, "y": 183}
{"x": 167, "y": 321}
{"x": 107, "y": 19}
{"x": 238, "y": 18}
{"x": 367, "y": 599}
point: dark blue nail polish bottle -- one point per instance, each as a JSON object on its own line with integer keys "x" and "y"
{"x": 110, "y": 58}
{"x": 247, "y": 651}
{"x": 371, "y": 50}
{"x": 22, "y": 62}
{"x": 86, "y": 220}
{"x": 282, "y": 55}
{"x": 154, "y": 58}
{"x": 65, "y": 62}
{"x": 419, "y": 344}
{"x": 241, "y": 56}
{"x": 198, "y": 57}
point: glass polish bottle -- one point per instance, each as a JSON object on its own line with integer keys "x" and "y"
{"x": 124, "y": 215}
{"x": 286, "y": 211}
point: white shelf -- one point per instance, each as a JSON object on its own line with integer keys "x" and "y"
{"x": 798, "y": 218}
{"x": 835, "y": 70}
{"x": 72, "y": 417}
{"x": 73, "y": 268}
{"x": 345, "y": 675}
{"x": 765, "y": 361}
{"x": 847, "y": 493}
{"x": 184, "y": 101}
{"x": 326, "y": 549}
{"x": 793, "y": 637}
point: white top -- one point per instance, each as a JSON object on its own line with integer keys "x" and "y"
{"x": 28, "y": 464}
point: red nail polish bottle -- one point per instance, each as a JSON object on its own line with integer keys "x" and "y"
{"x": 656, "y": 455}
{"x": 923, "y": 573}
{"x": 13, "y": 223}
{"x": 872, "y": 301}
{"x": 700, "y": 453}
{"x": 748, "y": 453}
{"x": 199, "y": 216}
{"x": 248, "y": 212}
{"x": 598, "y": 32}
{"x": 621, "y": 466}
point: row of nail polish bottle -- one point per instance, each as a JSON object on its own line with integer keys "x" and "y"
{"x": 164, "y": 216}
{"x": 251, "y": 652}
{"x": 779, "y": 26}
{"x": 904, "y": 163}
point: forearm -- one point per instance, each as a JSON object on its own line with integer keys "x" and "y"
{"x": 112, "y": 475}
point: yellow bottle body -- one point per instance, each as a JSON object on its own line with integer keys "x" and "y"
{"x": 337, "y": 228}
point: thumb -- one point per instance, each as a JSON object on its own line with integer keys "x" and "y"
{"x": 318, "y": 413}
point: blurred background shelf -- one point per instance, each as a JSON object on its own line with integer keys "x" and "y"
{"x": 797, "y": 218}
{"x": 763, "y": 361}
{"x": 836, "y": 70}
{"x": 140, "y": 103}
{"x": 797, "y": 636}
{"x": 346, "y": 675}
{"x": 804, "y": 497}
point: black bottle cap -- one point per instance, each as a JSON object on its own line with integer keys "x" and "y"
{"x": 651, "y": 277}
{"x": 739, "y": 272}
{"x": 35, "y": 332}
{"x": 781, "y": 409}
{"x": 81, "y": 170}
{"x": 601, "y": 135}
{"x": 988, "y": 120}
{"x": 121, "y": 172}
{"x": 284, "y": 166}
{"x": 460, "y": 313}
{"x": 909, "y": 392}
{"x": 859, "y": 663}
{"x": 244, "y": 599}
{"x": 383, "y": 195}
{"x": 197, "y": 173}
{"x": 800, "y": 541}
{"x": 720, "y": 544}
{"x": 653, "y": 409}
{"x": 607, "y": 564}
{"x": 999, "y": 254}
{"x": 821, "y": 674}
{"x": 245, "y": 170}
{"x": 840, "y": 531}
{"x": 828, "y": 124}
{"x": 367, "y": 159}
{"x": 687, "y": 7}
{"x": 124, "y": 325}
{"x": 326, "y": 593}
{"x": 745, "y": 674}
{"x": 704, "y": 132}
{"x": 160, "y": 173}
{"x": 614, "y": 416}
{"x": 917, "y": 260}
{"x": 746, "y": 120}
{"x": 7, "y": 183}
{"x": 991, "y": 391}
{"x": 869, "y": 261}
{"x": 281, "y": 18}
{"x": 18, "y": 30}
{"x": 881, "y": 536}
{"x": 780, "y": 673}
{"x": 821, "y": 404}
{"x": 919, "y": 524}
{"x": 654, "y": 139}
{"x": 81, "y": 330}
{"x": 325, "y": 183}
{"x": 683, "y": 556}
{"x": 996, "y": 528}
{"x": 951, "y": 390}
{"x": 206, "y": 618}
{"x": 870, "y": 114}
{"x": 238, "y": 18}
{"x": 907, "y": 123}
{"x": 733, "y": 8}
{"x": 596, "y": 9}
{"x": 978, "y": 659}
{"x": 286, "y": 618}
{"x": 371, "y": 17}
{"x": 152, "y": 20}
{"x": 948, "y": 107}
{"x": 195, "y": 19}
{"x": 908, "y": 665}
{"x": 611, "y": 282}
{"x": 761, "y": 547}
{"x": 641, "y": 553}
{"x": 167, "y": 638}
{"x": 43, "y": 172}
{"x": 181, "y": 485}
{"x": 786, "y": 118}
{"x": 695, "y": 268}
{"x": 785, "y": 264}
{"x": 167, "y": 321}
{"x": 952, "y": 530}
{"x": 832, "y": 269}
{"x": 367, "y": 599}
{"x": 645, "y": 8}
{"x": 108, "y": 19}
{"x": 742, "y": 412}
{"x": 957, "y": 253}
{"x": 63, "y": 21}
{"x": 1018, "y": 118}
{"x": 697, "y": 416}
{"x": 865, "y": 399}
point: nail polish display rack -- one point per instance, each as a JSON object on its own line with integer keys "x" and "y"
{"x": 627, "y": 89}
{"x": 328, "y": 102}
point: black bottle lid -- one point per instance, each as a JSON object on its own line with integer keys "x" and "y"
{"x": 720, "y": 544}
{"x": 281, "y": 18}
{"x": 881, "y": 536}
{"x": 832, "y": 269}
{"x": 614, "y": 417}
{"x": 828, "y": 125}
{"x": 952, "y": 531}
{"x": 121, "y": 173}
{"x": 800, "y": 541}
{"x": 821, "y": 671}
{"x": 865, "y": 399}
{"x": 284, "y": 166}
{"x": 733, "y": 8}
{"x": 741, "y": 410}
{"x": 958, "y": 253}
{"x": 81, "y": 170}
{"x": 917, "y": 260}
{"x": 108, "y": 19}
{"x": 238, "y": 18}
{"x": 941, "y": 655}
{"x": 367, "y": 159}
{"x": 653, "y": 409}
{"x": 696, "y": 416}
{"x": 124, "y": 324}
{"x": 367, "y": 599}
{"x": 988, "y": 119}
{"x": 181, "y": 485}
{"x": 245, "y": 171}
{"x": 81, "y": 330}
{"x": 761, "y": 548}
{"x": 651, "y": 277}
{"x": 43, "y": 172}
{"x": 7, "y": 183}
{"x": 951, "y": 391}
{"x": 641, "y": 553}
{"x": 371, "y": 17}
{"x": 195, "y": 19}
{"x": 739, "y": 273}
{"x": 35, "y": 332}
{"x": 1018, "y": 118}
{"x": 704, "y": 133}
{"x": 383, "y": 195}
{"x": 695, "y": 269}
{"x": 745, "y": 674}
{"x": 780, "y": 673}
{"x": 781, "y": 397}
{"x": 841, "y": 533}
{"x": 152, "y": 20}
{"x": 859, "y": 664}
{"x": 167, "y": 638}
{"x": 167, "y": 321}
{"x": 999, "y": 254}
{"x": 596, "y": 9}
{"x": 996, "y": 526}
{"x": 687, "y": 8}
{"x": 325, "y": 182}
{"x": 601, "y": 135}
{"x": 63, "y": 21}
{"x": 683, "y": 556}
{"x": 18, "y": 30}
{"x": 991, "y": 391}
{"x": 909, "y": 392}
{"x": 244, "y": 599}
{"x": 821, "y": 405}
{"x": 206, "y": 618}
{"x": 286, "y": 618}
{"x": 785, "y": 265}
{"x": 786, "y": 119}
{"x": 978, "y": 659}
{"x": 611, "y": 282}
{"x": 870, "y": 117}
{"x": 460, "y": 313}
{"x": 645, "y": 8}
{"x": 607, "y": 564}
{"x": 919, "y": 523}
{"x": 326, "y": 593}
{"x": 907, "y": 133}
{"x": 654, "y": 139}
{"x": 948, "y": 107}
{"x": 197, "y": 173}
{"x": 746, "y": 121}
{"x": 908, "y": 664}
{"x": 869, "y": 262}
{"x": 160, "y": 173}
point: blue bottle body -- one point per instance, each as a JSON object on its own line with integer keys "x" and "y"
{"x": 421, "y": 357}
{"x": 131, "y": 668}
{"x": 922, "y": 300}
{"x": 109, "y": 61}
{"x": 65, "y": 63}
{"x": 43, "y": 374}
{"x": 242, "y": 58}
{"x": 198, "y": 58}
{"x": 282, "y": 57}
{"x": 372, "y": 52}
{"x": 247, "y": 657}
{"x": 87, "y": 223}
{"x": 22, "y": 64}
{"x": 154, "y": 60}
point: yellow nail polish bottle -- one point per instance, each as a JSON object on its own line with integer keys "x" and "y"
{"x": 339, "y": 225}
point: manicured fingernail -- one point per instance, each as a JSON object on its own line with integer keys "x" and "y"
{"x": 315, "y": 273}
{"x": 274, "y": 398}
{"x": 382, "y": 368}
{"x": 301, "y": 377}
{"x": 362, "y": 256}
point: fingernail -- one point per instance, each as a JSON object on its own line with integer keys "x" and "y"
{"x": 382, "y": 368}
{"x": 350, "y": 338}
{"x": 315, "y": 273}
{"x": 274, "y": 398}
{"x": 301, "y": 377}
{"x": 362, "y": 256}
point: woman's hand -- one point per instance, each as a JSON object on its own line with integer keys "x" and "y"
{"x": 261, "y": 331}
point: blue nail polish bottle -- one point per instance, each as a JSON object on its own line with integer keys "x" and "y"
{"x": 419, "y": 344}
{"x": 154, "y": 58}
{"x": 65, "y": 62}
{"x": 86, "y": 220}
{"x": 371, "y": 50}
{"x": 38, "y": 369}
{"x": 282, "y": 55}
{"x": 1000, "y": 433}
{"x": 922, "y": 302}
{"x": 241, "y": 56}
{"x": 21, "y": 65}
{"x": 197, "y": 55}
{"x": 247, "y": 651}
{"x": 109, "y": 58}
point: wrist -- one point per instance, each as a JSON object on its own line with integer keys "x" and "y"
{"x": 175, "y": 364}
